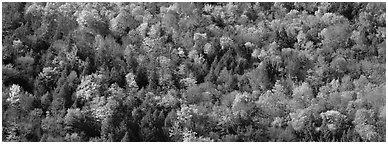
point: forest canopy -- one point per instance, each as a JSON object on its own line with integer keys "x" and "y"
{"x": 237, "y": 71}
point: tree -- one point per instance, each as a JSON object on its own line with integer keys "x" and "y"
{"x": 89, "y": 87}
{"x": 259, "y": 79}
{"x": 122, "y": 23}
{"x": 48, "y": 76}
{"x": 334, "y": 120}
{"x": 52, "y": 126}
{"x": 11, "y": 16}
{"x": 14, "y": 96}
{"x": 299, "y": 119}
{"x": 73, "y": 120}
{"x": 131, "y": 81}
{"x": 274, "y": 103}
{"x": 90, "y": 17}
{"x": 335, "y": 36}
{"x": 364, "y": 124}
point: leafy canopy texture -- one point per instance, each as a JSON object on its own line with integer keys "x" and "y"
{"x": 193, "y": 72}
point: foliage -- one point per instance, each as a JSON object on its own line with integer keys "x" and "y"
{"x": 194, "y": 72}
{"x": 89, "y": 87}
